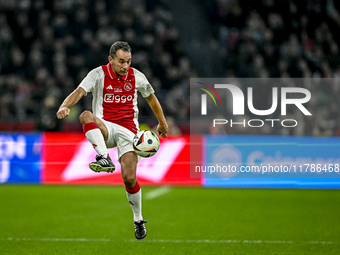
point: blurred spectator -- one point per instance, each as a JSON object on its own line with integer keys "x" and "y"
{"x": 47, "y": 48}
{"x": 267, "y": 38}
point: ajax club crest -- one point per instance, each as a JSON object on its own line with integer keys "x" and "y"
{"x": 127, "y": 86}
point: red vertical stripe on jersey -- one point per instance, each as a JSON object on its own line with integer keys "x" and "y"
{"x": 118, "y": 97}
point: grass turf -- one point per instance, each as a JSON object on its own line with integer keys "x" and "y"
{"x": 98, "y": 220}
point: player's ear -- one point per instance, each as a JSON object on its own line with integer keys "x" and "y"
{"x": 110, "y": 58}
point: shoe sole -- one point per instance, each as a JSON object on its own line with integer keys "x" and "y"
{"x": 98, "y": 168}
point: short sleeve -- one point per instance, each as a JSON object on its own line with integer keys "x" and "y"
{"x": 89, "y": 82}
{"x": 142, "y": 84}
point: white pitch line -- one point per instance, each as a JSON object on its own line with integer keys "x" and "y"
{"x": 19, "y": 239}
{"x": 155, "y": 193}
{"x": 232, "y": 241}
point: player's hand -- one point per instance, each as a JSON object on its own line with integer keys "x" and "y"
{"x": 162, "y": 129}
{"x": 63, "y": 112}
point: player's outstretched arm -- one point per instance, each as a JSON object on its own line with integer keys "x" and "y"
{"x": 162, "y": 127}
{"x": 72, "y": 99}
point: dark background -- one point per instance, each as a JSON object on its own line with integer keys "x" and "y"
{"x": 48, "y": 47}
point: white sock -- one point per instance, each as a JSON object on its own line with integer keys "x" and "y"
{"x": 95, "y": 137}
{"x": 135, "y": 201}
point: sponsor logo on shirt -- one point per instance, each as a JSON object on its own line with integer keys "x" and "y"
{"x": 112, "y": 98}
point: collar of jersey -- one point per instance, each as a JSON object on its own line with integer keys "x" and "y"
{"x": 113, "y": 76}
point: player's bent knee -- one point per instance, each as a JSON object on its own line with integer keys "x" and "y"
{"x": 86, "y": 117}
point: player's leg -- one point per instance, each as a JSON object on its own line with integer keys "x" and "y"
{"x": 134, "y": 194}
{"x": 96, "y": 132}
{"x": 133, "y": 191}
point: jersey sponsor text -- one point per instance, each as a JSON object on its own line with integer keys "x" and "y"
{"x": 112, "y": 98}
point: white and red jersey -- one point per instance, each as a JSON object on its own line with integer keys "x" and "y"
{"x": 114, "y": 97}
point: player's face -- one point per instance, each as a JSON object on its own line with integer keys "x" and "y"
{"x": 120, "y": 63}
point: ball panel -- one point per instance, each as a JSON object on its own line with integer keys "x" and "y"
{"x": 145, "y": 143}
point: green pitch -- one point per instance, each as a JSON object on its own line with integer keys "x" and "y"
{"x": 98, "y": 220}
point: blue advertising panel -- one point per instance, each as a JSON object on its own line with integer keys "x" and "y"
{"x": 20, "y": 157}
{"x": 271, "y": 161}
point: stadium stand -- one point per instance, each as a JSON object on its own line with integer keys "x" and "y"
{"x": 267, "y": 38}
{"x": 47, "y": 47}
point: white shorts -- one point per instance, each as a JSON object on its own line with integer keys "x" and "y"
{"x": 119, "y": 136}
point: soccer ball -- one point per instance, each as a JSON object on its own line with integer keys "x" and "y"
{"x": 145, "y": 143}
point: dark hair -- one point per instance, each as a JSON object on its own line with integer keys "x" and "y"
{"x": 119, "y": 45}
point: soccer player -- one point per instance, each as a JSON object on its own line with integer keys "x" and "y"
{"x": 113, "y": 120}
